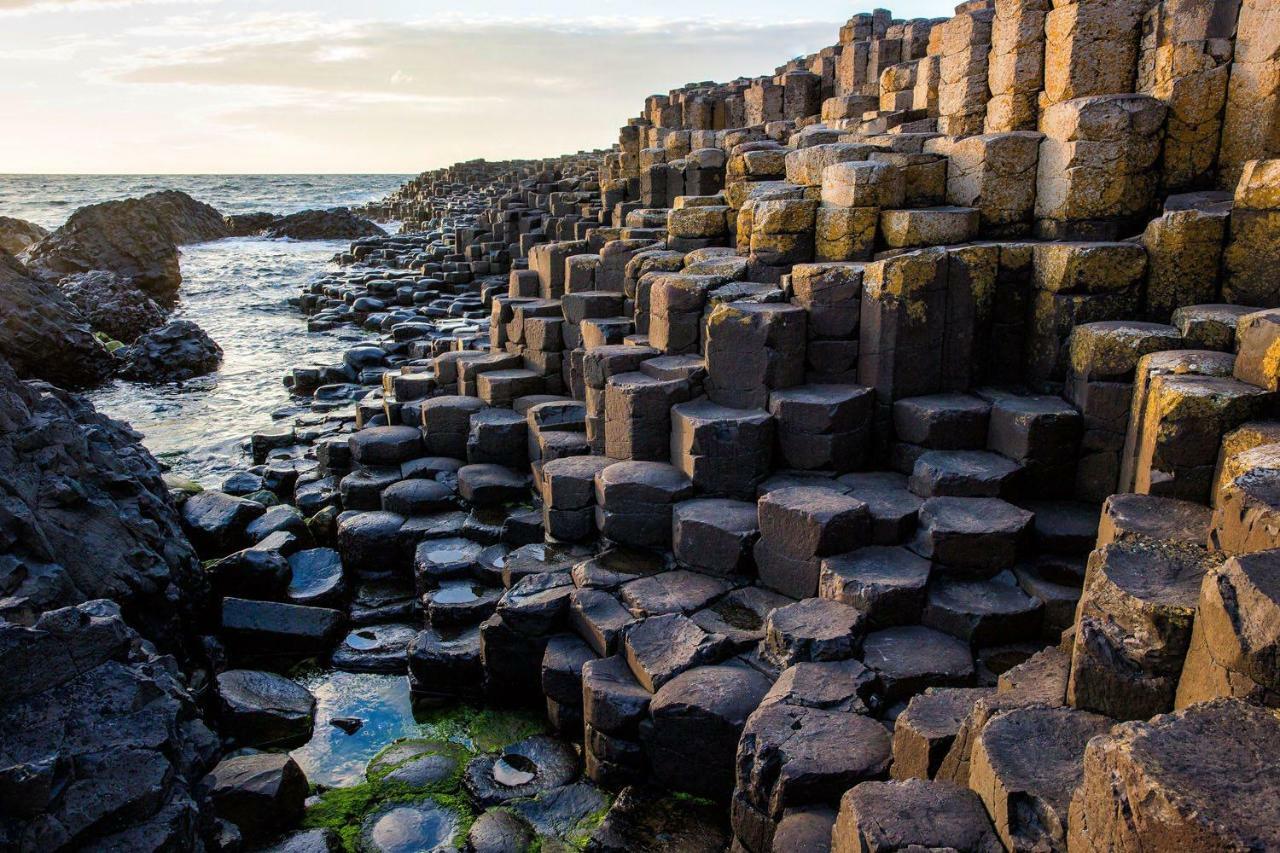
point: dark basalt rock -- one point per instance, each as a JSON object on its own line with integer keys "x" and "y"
{"x": 44, "y": 335}
{"x": 499, "y": 831}
{"x": 137, "y": 238}
{"x": 410, "y": 828}
{"x": 251, "y": 574}
{"x": 524, "y": 769}
{"x": 17, "y": 235}
{"x": 643, "y": 820}
{"x": 181, "y": 350}
{"x": 112, "y": 304}
{"x": 308, "y": 841}
{"x": 262, "y": 793}
{"x": 102, "y": 750}
{"x": 260, "y": 708}
{"x": 217, "y": 523}
{"x": 248, "y": 224}
{"x": 375, "y": 648}
{"x": 337, "y": 223}
{"x": 76, "y": 483}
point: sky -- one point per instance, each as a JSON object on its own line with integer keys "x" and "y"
{"x": 235, "y": 86}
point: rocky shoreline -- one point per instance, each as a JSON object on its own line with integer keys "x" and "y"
{"x": 875, "y": 455}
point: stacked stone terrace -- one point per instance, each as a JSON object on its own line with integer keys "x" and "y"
{"x": 900, "y": 430}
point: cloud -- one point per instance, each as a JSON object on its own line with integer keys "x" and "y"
{"x": 29, "y": 7}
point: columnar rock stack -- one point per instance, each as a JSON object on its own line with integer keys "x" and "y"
{"x": 896, "y": 428}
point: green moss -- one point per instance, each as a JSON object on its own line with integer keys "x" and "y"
{"x": 692, "y": 799}
{"x": 581, "y": 834}
{"x": 344, "y": 810}
{"x": 481, "y": 729}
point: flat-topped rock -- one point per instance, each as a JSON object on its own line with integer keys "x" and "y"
{"x": 912, "y": 814}
{"x": 815, "y": 629}
{"x": 924, "y": 732}
{"x": 679, "y": 591}
{"x": 1128, "y": 517}
{"x": 983, "y": 613}
{"x": 886, "y": 583}
{"x": 661, "y": 647}
{"x": 909, "y": 659}
{"x": 974, "y": 537}
{"x": 1201, "y": 779}
{"x": 261, "y": 708}
{"x": 1025, "y": 765}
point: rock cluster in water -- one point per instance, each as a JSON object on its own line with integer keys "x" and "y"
{"x": 881, "y": 453}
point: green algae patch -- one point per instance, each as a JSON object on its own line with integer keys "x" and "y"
{"x": 344, "y": 810}
{"x": 481, "y": 729}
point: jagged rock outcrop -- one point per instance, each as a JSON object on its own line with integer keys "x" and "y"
{"x": 43, "y": 334}
{"x": 337, "y": 223}
{"x": 112, "y": 305}
{"x": 248, "y": 224}
{"x": 16, "y": 235}
{"x": 102, "y": 743}
{"x": 180, "y": 350}
{"x": 84, "y": 514}
{"x": 137, "y": 238}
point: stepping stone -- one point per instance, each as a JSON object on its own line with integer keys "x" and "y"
{"x": 217, "y": 523}
{"x": 524, "y": 769}
{"x": 1130, "y": 517}
{"x": 363, "y": 488}
{"x": 805, "y": 828}
{"x": 385, "y": 445}
{"x": 638, "y": 416}
{"x": 537, "y": 559}
{"x": 679, "y": 591}
{"x": 375, "y": 648}
{"x": 459, "y": 603}
{"x": 279, "y": 629}
{"x": 275, "y": 519}
{"x": 446, "y": 424}
{"x": 316, "y": 578}
{"x": 845, "y": 685}
{"x": 490, "y": 485}
{"x": 799, "y": 526}
{"x": 912, "y": 814}
{"x": 725, "y": 452}
{"x": 381, "y": 601}
{"x": 429, "y": 467}
{"x": 1248, "y": 513}
{"x": 909, "y": 659}
{"x": 599, "y": 619}
{"x": 1025, "y": 766}
{"x": 561, "y": 812}
{"x": 894, "y": 509}
{"x": 250, "y": 574}
{"x": 410, "y": 827}
{"x": 792, "y": 755}
{"x": 1235, "y": 638}
{"x": 498, "y": 437}
{"x": 262, "y": 794}
{"x": 661, "y": 647}
{"x": 972, "y": 537}
{"x": 714, "y": 535}
{"x": 634, "y": 502}
{"x": 709, "y": 706}
{"x": 445, "y": 664}
{"x": 613, "y": 701}
{"x": 567, "y": 486}
{"x": 815, "y": 629}
{"x": 499, "y": 831}
{"x": 308, "y": 841}
{"x": 562, "y": 664}
{"x": 262, "y": 708}
{"x": 418, "y": 497}
{"x": 822, "y": 426}
{"x": 887, "y": 584}
{"x": 1133, "y": 627}
{"x": 537, "y": 605}
{"x": 1170, "y": 790}
{"x": 964, "y": 474}
{"x": 371, "y": 542}
{"x": 611, "y": 568}
{"x": 1054, "y": 582}
{"x": 942, "y": 421}
{"x": 924, "y": 732}
{"x": 983, "y": 613}
{"x": 1064, "y": 527}
{"x": 740, "y": 615}
{"x": 438, "y": 560}
{"x": 931, "y": 226}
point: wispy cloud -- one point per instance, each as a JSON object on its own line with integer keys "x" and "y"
{"x": 31, "y": 7}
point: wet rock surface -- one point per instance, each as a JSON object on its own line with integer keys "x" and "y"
{"x": 177, "y": 351}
